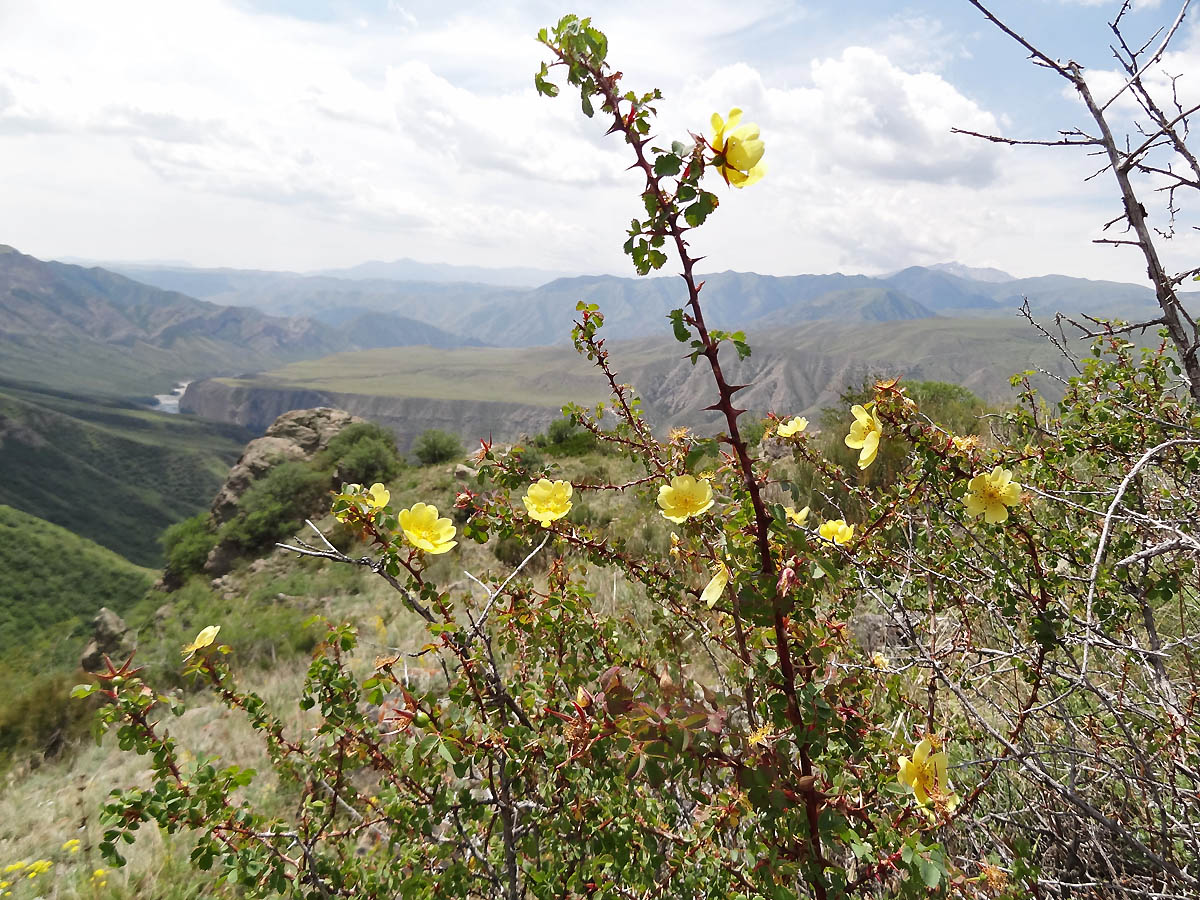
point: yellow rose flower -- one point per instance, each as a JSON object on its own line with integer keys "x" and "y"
{"x": 992, "y": 494}
{"x": 796, "y": 518}
{"x": 925, "y": 773}
{"x": 836, "y": 530}
{"x": 792, "y": 426}
{"x": 740, "y": 149}
{"x": 548, "y": 500}
{"x": 716, "y": 586}
{"x": 685, "y": 497}
{"x": 379, "y": 496}
{"x": 879, "y": 661}
{"x": 864, "y": 434}
{"x": 206, "y": 636}
{"x": 425, "y": 531}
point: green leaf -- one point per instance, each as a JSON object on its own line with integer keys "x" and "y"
{"x": 701, "y": 209}
{"x": 681, "y": 332}
{"x": 931, "y": 873}
{"x": 668, "y": 164}
{"x": 587, "y": 105}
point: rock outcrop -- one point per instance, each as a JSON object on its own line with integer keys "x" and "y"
{"x": 299, "y": 434}
{"x": 296, "y": 435}
{"x": 110, "y": 637}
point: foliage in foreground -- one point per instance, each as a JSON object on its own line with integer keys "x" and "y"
{"x": 1023, "y": 725}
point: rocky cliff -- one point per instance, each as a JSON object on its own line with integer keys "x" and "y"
{"x": 256, "y": 406}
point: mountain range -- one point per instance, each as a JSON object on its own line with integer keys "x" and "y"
{"x": 635, "y": 307}
{"x": 93, "y": 330}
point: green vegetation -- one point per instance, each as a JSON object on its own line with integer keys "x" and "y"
{"x": 275, "y": 505}
{"x": 565, "y": 437}
{"x": 436, "y": 446}
{"x": 54, "y": 583}
{"x": 363, "y": 453}
{"x": 108, "y": 470}
{"x": 187, "y": 544}
{"x": 545, "y": 377}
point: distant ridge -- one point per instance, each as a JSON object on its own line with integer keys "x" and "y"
{"x": 634, "y": 308}
{"x": 413, "y": 270}
{"x": 129, "y": 338}
{"x": 994, "y": 276}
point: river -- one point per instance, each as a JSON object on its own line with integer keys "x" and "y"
{"x": 169, "y": 403}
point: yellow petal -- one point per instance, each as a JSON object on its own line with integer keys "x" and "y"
{"x": 716, "y": 586}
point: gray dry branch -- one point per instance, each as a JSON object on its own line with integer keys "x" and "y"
{"x": 1163, "y": 133}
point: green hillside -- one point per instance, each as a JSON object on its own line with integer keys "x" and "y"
{"x": 54, "y": 582}
{"x": 109, "y": 471}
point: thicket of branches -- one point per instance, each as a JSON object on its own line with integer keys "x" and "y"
{"x": 1026, "y": 725}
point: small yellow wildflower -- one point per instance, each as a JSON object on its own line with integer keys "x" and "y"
{"x": 100, "y": 877}
{"x": 685, "y": 497}
{"x": 925, "y": 773}
{"x": 792, "y": 426}
{"x": 716, "y": 586}
{"x": 836, "y": 530}
{"x": 206, "y": 636}
{"x": 15, "y": 867}
{"x": 796, "y": 518}
{"x": 425, "y": 531}
{"x": 378, "y": 496}
{"x": 71, "y": 846}
{"x": 759, "y": 736}
{"x": 865, "y": 434}
{"x": 37, "y": 867}
{"x": 879, "y": 661}
{"x": 739, "y": 148}
{"x": 548, "y": 500}
{"x": 992, "y": 494}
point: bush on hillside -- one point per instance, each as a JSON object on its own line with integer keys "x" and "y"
{"x": 276, "y": 505}
{"x": 186, "y": 545}
{"x": 437, "y": 446}
{"x": 565, "y": 438}
{"x": 363, "y": 453}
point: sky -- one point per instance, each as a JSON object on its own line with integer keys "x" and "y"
{"x": 311, "y": 134}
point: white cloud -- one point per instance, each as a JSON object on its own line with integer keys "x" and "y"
{"x": 208, "y": 131}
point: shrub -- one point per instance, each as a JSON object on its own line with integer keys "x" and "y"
{"x": 363, "y": 453}
{"x": 275, "y": 505}
{"x": 722, "y": 735}
{"x": 436, "y": 446}
{"x": 186, "y": 545}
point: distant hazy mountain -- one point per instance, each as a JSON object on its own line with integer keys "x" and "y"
{"x": 975, "y": 274}
{"x": 635, "y": 307}
{"x": 90, "y": 329}
{"x": 412, "y": 270}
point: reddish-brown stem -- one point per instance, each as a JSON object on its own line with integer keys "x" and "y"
{"x": 606, "y": 85}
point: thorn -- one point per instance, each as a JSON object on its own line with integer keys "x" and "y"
{"x": 734, "y": 388}
{"x": 716, "y": 407}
